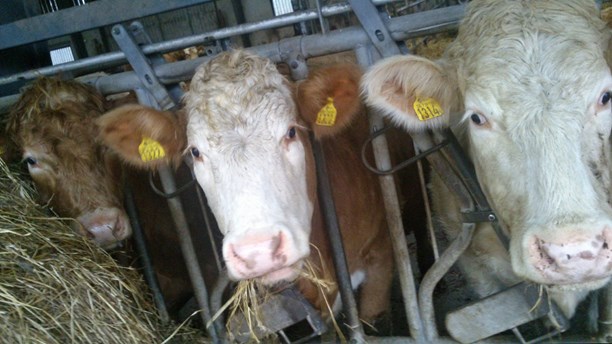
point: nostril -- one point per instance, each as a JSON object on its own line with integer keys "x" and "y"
{"x": 246, "y": 263}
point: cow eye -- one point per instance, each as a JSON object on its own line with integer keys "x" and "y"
{"x": 30, "y": 161}
{"x": 291, "y": 133}
{"x": 195, "y": 152}
{"x": 605, "y": 98}
{"x": 478, "y": 119}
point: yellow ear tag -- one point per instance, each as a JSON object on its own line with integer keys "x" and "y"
{"x": 150, "y": 149}
{"x": 427, "y": 108}
{"x": 327, "y": 114}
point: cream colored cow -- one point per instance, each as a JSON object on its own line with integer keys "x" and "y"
{"x": 527, "y": 89}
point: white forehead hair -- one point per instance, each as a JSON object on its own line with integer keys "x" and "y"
{"x": 545, "y": 52}
{"x": 236, "y": 93}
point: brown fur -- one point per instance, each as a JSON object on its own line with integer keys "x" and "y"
{"x": 356, "y": 191}
{"x": 59, "y": 116}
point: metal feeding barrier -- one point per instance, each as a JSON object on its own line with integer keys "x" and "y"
{"x": 155, "y": 83}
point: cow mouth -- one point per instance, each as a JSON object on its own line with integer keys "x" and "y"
{"x": 574, "y": 269}
{"x": 284, "y": 274}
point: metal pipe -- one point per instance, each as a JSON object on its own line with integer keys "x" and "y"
{"x": 322, "y": 22}
{"x": 400, "y": 28}
{"x": 143, "y": 253}
{"x": 435, "y": 274}
{"x": 216, "y": 301}
{"x": 393, "y": 213}
{"x": 189, "y": 254}
{"x": 605, "y": 314}
{"x": 328, "y": 209}
{"x": 396, "y": 229}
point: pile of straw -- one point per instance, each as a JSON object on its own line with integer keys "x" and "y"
{"x": 57, "y": 287}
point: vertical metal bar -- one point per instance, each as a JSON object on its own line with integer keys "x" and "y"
{"x": 435, "y": 274}
{"x": 396, "y": 229}
{"x": 156, "y": 97}
{"x": 191, "y": 260}
{"x": 328, "y": 209}
{"x": 322, "y": 22}
{"x": 394, "y": 216}
{"x": 605, "y": 314}
{"x": 143, "y": 252}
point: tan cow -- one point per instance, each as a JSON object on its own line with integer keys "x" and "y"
{"x": 252, "y": 156}
{"x": 53, "y": 127}
{"x": 527, "y": 89}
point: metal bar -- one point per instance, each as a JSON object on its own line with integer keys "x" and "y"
{"x": 191, "y": 259}
{"x": 605, "y": 314}
{"x": 143, "y": 69}
{"x": 393, "y": 214}
{"x": 143, "y": 252}
{"x": 82, "y": 18}
{"x": 322, "y": 22}
{"x": 216, "y": 302}
{"x": 151, "y": 97}
{"x": 316, "y": 45}
{"x": 328, "y": 209}
{"x": 424, "y": 142}
{"x": 435, "y": 274}
{"x": 373, "y": 25}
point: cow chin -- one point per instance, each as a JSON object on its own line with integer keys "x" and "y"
{"x": 586, "y": 286}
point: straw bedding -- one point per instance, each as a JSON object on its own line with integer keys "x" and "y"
{"x": 56, "y": 287}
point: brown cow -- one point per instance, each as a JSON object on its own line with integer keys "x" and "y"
{"x": 252, "y": 156}
{"x": 53, "y": 127}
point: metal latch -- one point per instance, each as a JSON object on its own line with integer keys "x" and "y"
{"x": 287, "y": 313}
{"x": 505, "y": 310}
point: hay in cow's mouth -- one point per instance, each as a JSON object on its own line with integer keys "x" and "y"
{"x": 250, "y": 294}
{"x": 58, "y": 287}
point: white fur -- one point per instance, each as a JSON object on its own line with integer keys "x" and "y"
{"x": 239, "y": 112}
{"x": 535, "y": 72}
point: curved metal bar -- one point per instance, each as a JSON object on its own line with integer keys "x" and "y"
{"x": 435, "y": 274}
{"x": 171, "y": 194}
{"x": 399, "y": 166}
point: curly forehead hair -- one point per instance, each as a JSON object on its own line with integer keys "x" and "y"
{"x": 54, "y": 96}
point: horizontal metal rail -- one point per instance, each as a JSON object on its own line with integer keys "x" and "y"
{"x": 82, "y": 18}
{"x": 400, "y": 28}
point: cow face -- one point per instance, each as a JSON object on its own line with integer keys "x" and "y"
{"x": 532, "y": 90}
{"x": 53, "y": 126}
{"x": 249, "y": 152}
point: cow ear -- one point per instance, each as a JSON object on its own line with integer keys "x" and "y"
{"x": 328, "y": 100}
{"x": 413, "y": 91}
{"x": 142, "y": 136}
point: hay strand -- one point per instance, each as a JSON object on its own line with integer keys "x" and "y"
{"x": 58, "y": 287}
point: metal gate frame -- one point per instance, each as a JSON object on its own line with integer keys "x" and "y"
{"x": 363, "y": 42}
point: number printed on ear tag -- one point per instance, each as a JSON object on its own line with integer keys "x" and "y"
{"x": 427, "y": 108}
{"x": 150, "y": 150}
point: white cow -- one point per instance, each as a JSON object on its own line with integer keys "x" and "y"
{"x": 527, "y": 88}
{"x": 247, "y": 130}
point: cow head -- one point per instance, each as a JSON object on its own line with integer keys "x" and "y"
{"x": 52, "y": 124}
{"x": 528, "y": 89}
{"x": 251, "y": 154}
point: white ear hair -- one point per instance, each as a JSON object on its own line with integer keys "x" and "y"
{"x": 410, "y": 91}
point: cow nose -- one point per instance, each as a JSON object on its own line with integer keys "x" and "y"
{"x": 575, "y": 259}
{"x": 256, "y": 255}
{"x": 107, "y": 227}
